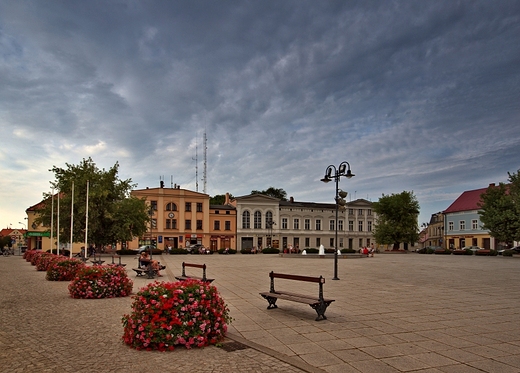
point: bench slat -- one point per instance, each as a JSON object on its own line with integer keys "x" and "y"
{"x": 297, "y": 277}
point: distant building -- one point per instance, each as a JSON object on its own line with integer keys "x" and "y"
{"x": 264, "y": 221}
{"x": 462, "y": 223}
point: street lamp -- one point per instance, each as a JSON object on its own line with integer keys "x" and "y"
{"x": 333, "y": 173}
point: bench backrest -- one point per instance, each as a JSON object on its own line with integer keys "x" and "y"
{"x": 320, "y": 280}
{"x": 203, "y": 266}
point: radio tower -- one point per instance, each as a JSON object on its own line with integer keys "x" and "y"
{"x": 205, "y": 162}
{"x": 196, "y": 167}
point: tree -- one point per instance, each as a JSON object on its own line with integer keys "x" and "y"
{"x": 397, "y": 216}
{"x": 219, "y": 199}
{"x": 114, "y": 215}
{"x": 500, "y": 210}
{"x": 273, "y": 192}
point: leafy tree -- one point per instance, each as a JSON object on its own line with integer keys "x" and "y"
{"x": 500, "y": 210}
{"x": 397, "y": 216}
{"x": 5, "y": 241}
{"x": 114, "y": 215}
{"x": 219, "y": 199}
{"x": 273, "y": 192}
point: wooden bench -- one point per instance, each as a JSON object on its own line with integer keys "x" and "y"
{"x": 319, "y": 304}
{"x": 145, "y": 268}
{"x": 184, "y": 277}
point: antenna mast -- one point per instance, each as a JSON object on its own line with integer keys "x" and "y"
{"x": 196, "y": 167}
{"x": 205, "y": 161}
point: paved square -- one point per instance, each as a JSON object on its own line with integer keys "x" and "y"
{"x": 393, "y": 313}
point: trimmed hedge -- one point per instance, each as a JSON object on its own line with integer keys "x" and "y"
{"x": 270, "y": 250}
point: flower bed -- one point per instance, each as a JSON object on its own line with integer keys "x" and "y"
{"x": 38, "y": 256}
{"x": 28, "y": 255}
{"x": 64, "y": 269}
{"x": 45, "y": 260}
{"x": 166, "y": 315}
{"x": 109, "y": 281}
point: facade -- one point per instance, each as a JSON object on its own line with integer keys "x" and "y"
{"x": 181, "y": 218}
{"x": 435, "y": 231}
{"x": 462, "y": 223}
{"x": 17, "y": 238}
{"x": 264, "y": 221}
{"x": 223, "y": 227}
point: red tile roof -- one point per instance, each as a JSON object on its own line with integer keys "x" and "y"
{"x": 467, "y": 201}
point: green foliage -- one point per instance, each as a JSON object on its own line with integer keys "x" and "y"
{"x": 5, "y": 241}
{"x": 396, "y": 219}
{"x": 500, "y": 210}
{"x": 228, "y": 251}
{"x": 426, "y": 250}
{"x": 348, "y": 251}
{"x": 312, "y": 251}
{"x": 270, "y": 250}
{"x": 219, "y": 199}
{"x": 178, "y": 252}
{"x": 508, "y": 253}
{"x": 114, "y": 215}
{"x": 246, "y": 251}
{"x": 273, "y": 192}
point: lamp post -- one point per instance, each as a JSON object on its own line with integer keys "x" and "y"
{"x": 333, "y": 173}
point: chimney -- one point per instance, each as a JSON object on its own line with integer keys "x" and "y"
{"x": 226, "y": 202}
{"x": 491, "y": 185}
{"x": 291, "y": 199}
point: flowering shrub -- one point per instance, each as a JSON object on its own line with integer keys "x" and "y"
{"x": 64, "y": 269}
{"x": 44, "y": 260}
{"x": 107, "y": 281}
{"x": 38, "y": 256}
{"x": 168, "y": 314}
{"x": 29, "y": 254}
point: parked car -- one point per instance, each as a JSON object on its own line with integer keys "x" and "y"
{"x": 146, "y": 247}
{"x": 516, "y": 249}
{"x": 194, "y": 248}
{"x": 472, "y": 248}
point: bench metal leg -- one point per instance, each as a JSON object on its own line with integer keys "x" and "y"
{"x": 320, "y": 309}
{"x": 272, "y": 301}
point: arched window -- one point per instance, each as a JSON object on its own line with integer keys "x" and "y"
{"x": 246, "y": 220}
{"x": 171, "y": 207}
{"x": 268, "y": 219}
{"x": 258, "y": 220}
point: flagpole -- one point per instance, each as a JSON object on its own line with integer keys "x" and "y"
{"x": 86, "y": 225}
{"x": 71, "y": 220}
{"x": 52, "y": 219}
{"x": 58, "y": 226}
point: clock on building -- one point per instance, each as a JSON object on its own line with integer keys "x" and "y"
{"x": 171, "y": 215}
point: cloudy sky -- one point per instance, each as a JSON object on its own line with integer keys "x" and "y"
{"x": 422, "y": 96}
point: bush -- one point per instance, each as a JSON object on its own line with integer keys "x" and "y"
{"x": 426, "y": 250}
{"x": 35, "y": 259}
{"x": 64, "y": 269}
{"x": 493, "y": 252}
{"x": 126, "y": 252}
{"x": 28, "y": 255}
{"x": 508, "y": 253}
{"x": 270, "y": 250}
{"x": 107, "y": 281}
{"x": 246, "y": 251}
{"x": 348, "y": 251}
{"x": 442, "y": 252}
{"x": 312, "y": 251}
{"x": 178, "y": 252}
{"x": 166, "y": 315}
{"x": 227, "y": 251}
{"x": 45, "y": 260}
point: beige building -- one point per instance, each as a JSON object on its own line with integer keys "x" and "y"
{"x": 301, "y": 225}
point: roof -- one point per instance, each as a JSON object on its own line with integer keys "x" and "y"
{"x": 467, "y": 201}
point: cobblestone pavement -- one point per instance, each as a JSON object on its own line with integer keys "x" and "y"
{"x": 393, "y": 313}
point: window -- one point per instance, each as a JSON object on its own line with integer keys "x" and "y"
{"x": 228, "y": 213}
{"x": 360, "y": 242}
{"x": 216, "y": 225}
{"x": 217, "y": 212}
{"x": 307, "y": 225}
{"x": 331, "y": 225}
{"x": 187, "y": 224}
{"x": 246, "y": 220}
{"x": 154, "y": 223}
{"x": 227, "y": 225}
{"x": 462, "y": 225}
{"x": 174, "y": 223}
{"x": 257, "y": 220}
{"x": 307, "y": 242}
{"x": 341, "y": 242}
{"x": 153, "y": 205}
{"x": 351, "y": 225}
{"x": 171, "y": 223}
{"x": 318, "y": 224}
{"x": 369, "y": 212}
{"x": 360, "y": 226}
{"x": 318, "y": 241}
{"x": 296, "y": 223}
{"x": 369, "y": 228}
{"x": 360, "y": 212}
{"x": 199, "y": 206}
{"x": 284, "y": 223}
{"x": 188, "y": 206}
{"x": 331, "y": 242}
{"x": 474, "y": 225}
{"x": 268, "y": 219}
{"x": 171, "y": 206}
{"x": 450, "y": 225}
{"x": 340, "y": 225}
{"x": 351, "y": 211}
{"x": 199, "y": 224}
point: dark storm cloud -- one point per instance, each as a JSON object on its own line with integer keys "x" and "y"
{"x": 415, "y": 95}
